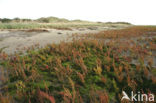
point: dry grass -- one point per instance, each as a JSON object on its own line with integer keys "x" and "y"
{"x": 37, "y": 30}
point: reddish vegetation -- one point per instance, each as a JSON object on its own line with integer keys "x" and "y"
{"x": 62, "y": 28}
{"x": 46, "y": 95}
{"x": 37, "y": 30}
{"x": 134, "y": 31}
{"x": 85, "y": 70}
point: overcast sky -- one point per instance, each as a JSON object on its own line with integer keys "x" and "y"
{"x": 133, "y": 11}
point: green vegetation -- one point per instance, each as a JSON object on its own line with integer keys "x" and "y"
{"x": 44, "y": 25}
{"x": 82, "y": 71}
{"x": 49, "y": 22}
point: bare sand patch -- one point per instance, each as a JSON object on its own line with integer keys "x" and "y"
{"x": 15, "y": 40}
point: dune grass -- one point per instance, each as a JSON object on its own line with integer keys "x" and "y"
{"x": 45, "y": 25}
{"x": 51, "y": 22}
{"x": 82, "y": 71}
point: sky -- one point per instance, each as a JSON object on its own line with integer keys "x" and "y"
{"x": 139, "y": 12}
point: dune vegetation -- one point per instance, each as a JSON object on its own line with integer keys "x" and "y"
{"x": 134, "y": 31}
{"x": 50, "y": 23}
{"x": 93, "y": 69}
